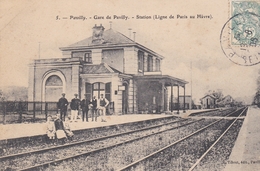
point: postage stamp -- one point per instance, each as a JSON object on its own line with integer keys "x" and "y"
{"x": 240, "y": 36}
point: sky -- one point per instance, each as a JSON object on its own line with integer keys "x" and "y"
{"x": 191, "y": 47}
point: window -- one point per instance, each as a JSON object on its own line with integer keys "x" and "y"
{"x": 157, "y": 65}
{"x": 53, "y": 80}
{"x": 108, "y": 91}
{"x": 150, "y": 63}
{"x": 97, "y": 89}
{"x": 53, "y": 88}
{"x": 140, "y": 61}
{"x": 88, "y": 58}
{"x": 88, "y": 90}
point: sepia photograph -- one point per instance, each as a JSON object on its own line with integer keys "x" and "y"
{"x": 162, "y": 85}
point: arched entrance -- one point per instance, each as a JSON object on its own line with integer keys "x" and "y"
{"x": 53, "y": 86}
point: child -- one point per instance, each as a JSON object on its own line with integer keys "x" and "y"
{"x": 59, "y": 129}
{"x": 50, "y": 129}
{"x": 67, "y": 129}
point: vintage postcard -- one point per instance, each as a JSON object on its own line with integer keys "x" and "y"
{"x": 143, "y": 85}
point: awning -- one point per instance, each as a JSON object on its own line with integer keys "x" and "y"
{"x": 166, "y": 79}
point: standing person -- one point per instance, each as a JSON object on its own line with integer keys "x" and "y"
{"x": 93, "y": 108}
{"x": 74, "y": 106}
{"x": 50, "y": 129}
{"x": 85, "y": 107}
{"x": 59, "y": 127}
{"x": 103, "y": 103}
{"x": 62, "y": 106}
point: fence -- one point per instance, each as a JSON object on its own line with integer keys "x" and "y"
{"x": 25, "y": 111}
{"x": 181, "y": 107}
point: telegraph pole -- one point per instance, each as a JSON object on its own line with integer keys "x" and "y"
{"x": 39, "y": 52}
{"x": 191, "y": 83}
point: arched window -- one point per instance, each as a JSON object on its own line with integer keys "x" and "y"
{"x": 53, "y": 88}
{"x": 53, "y": 80}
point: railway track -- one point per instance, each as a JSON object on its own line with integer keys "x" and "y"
{"x": 220, "y": 137}
{"x": 137, "y": 134}
{"x": 23, "y": 144}
{"x": 141, "y": 161}
{"x": 85, "y": 141}
{"x": 231, "y": 113}
{"x": 96, "y": 140}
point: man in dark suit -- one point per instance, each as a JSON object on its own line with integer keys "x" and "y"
{"x": 62, "y": 106}
{"x": 85, "y": 107}
{"x": 93, "y": 105}
{"x": 74, "y": 105}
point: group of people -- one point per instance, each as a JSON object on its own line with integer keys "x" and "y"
{"x": 59, "y": 126}
{"x": 56, "y": 128}
{"x": 94, "y": 106}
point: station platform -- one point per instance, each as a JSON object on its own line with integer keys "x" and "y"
{"x": 245, "y": 155}
{"x": 13, "y": 131}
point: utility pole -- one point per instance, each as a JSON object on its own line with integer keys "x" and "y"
{"x": 39, "y": 52}
{"x": 191, "y": 83}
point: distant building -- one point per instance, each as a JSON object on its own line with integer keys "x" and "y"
{"x": 208, "y": 102}
{"x": 109, "y": 63}
{"x": 228, "y": 101}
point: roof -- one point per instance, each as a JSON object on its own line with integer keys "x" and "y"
{"x": 227, "y": 96}
{"x": 209, "y": 96}
{"x": 111, "y": 38}
{"x": 168, "y": 80}
{"x": 98, "y": 69}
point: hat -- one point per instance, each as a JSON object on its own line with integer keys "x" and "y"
{"x": 85, "y": 94}
{"x": 76, "y": 94}
{"x": 63, "y": 94}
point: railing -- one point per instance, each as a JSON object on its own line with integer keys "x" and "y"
{"x": 25, "y": 111}
{"x": 174, "y": 106}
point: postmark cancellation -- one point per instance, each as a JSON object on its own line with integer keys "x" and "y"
{"x": 240, "y": 35}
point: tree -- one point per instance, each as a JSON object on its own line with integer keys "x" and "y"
{"x": 2, "y": 97}
{"x": 218, "y": 95}
{"x": 256, "y": 100}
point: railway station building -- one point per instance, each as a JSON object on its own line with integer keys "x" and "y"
{"x": 110, "y": 63}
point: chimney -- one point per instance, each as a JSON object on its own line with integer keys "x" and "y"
{"x": 97, "y": 36}
{"x": 110, "y": 24}
{"x": 130, "y": 32}
{"x": 134, "y": 35}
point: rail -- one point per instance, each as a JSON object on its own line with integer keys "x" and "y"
{"x": 199, "y": 160}
{"x": 42, "y": 165}
{"x": 86, "y": 141}
{"x": 131, "y": 165}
